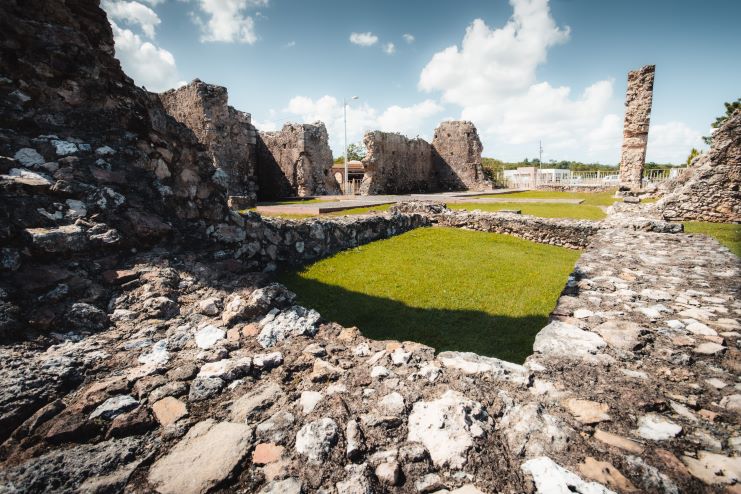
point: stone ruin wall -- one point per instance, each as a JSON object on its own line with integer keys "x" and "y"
{"x": 295, "y": 162}
{"x": 457, "y": 157}
{"x": 710, "y": 190}
{"x": 228, "y": 134}
{"x": 638, "y": 98}
{"x": 395, "y": 164}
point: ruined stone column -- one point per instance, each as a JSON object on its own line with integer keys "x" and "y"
{"x": 638, "y": 99}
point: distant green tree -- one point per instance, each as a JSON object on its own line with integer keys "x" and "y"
{"x": 355, "y": 152}
{"x": 730, "y": 108}
{"x": 693, "y": 154}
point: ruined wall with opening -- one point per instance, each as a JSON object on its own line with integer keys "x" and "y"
{"x": 395, "y": 164}
{"x": 228, "y": 134}
{"x": 457, "y": 157}
{"x": 638, "y": 98}
{"x": 295, "y": 161}
{"x": 710, "y": 190}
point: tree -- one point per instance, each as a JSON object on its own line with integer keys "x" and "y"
{"x": 693, "y": 154}
{"x": 355, "y": 152}
{"x": 730, "y": 108}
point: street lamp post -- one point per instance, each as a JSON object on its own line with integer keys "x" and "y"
{"x": 344, "y": 110}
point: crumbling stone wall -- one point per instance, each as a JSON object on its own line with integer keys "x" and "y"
{"x": 228, "y": 134}
{"x": 710, "y": 190}
{"x": 571, "y": 233}
{"x": 638, "y": 98}
{"x": 81, "y": 147}
{"x": 295, "y": 162}
{"x": 265, "y": 242}
{"x": 457, "y": 157}
{"x": 395, "y": 164}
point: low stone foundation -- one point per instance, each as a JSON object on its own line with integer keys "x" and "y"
{"x": 265, "y": 242}
{"x": 574, "y": 234}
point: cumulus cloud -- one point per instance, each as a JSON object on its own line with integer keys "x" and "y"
{"x": 363, "y": 39}
{"x": 361, "y": 117}
{"x": 671, "y": 142}
{"x": 408, "y": 119}
{"x": 147, "y": 64}
{"x": 492, "y": 63}
{"x": 226, "y": 20}
{"x": 389, "y": 48}
{"x": 133, "y": 13}
{"x": 408, "y": 38}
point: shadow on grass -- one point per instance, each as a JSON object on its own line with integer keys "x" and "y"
{"x": 504, "y": 337}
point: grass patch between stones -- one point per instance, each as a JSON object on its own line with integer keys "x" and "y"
{"x": 728, "y": 234}
{"x": 605, "y": 198}
{"x": 448, "y": 288}
{"x": 543, "y": 210}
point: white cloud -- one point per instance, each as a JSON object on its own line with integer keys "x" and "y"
{"x": 408, "y": 120}
{"x": 227, "y": 20}
{"x": 290, "y": 44}
{"x": 408, "y": 38}
{"x": 389, "y": 48}
{"x": 493, "y": 63}
{"x": 492, "y": 79}
{"x": 133, "y": 13}
{"x": 671, "y": 142}
{"x": 265, "y": 125}
{"x": 363, "y": 39}
{"x": 361, "y": 118}
{"x": 147, "y": 64}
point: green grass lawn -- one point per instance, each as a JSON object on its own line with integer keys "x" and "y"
{"x": 544, "y": 210}
{"x": 448, "y": 288}
{"x": 590, "y": 198}
{"x": 728, "y": 234}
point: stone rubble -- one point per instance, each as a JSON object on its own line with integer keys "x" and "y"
{"x": 710, "y": 189}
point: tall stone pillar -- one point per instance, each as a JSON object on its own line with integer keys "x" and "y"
{"x": 638, "y": 99}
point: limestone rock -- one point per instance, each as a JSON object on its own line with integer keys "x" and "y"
{"x": 713, "y": 468}
{"x": 215, "y": 447}
{"x": 551, "y": 478}
{"x": 295, "y": 321}
{"x": 255, "y": 401}
{"x": 471, "y": 363}
{"x": 563, "y": 340}
{"x": 586, "y": 411}
{"x": 114, "y": 406}
{"x": 316, "y": 439}
{"x": 624, "y": 335}
{"x": 169, "y": 410}
{"x": 605, "y": 473}
{"x": 448, "y": 427}
{"x": 657, "y": 428}
{"x": 207, "y": 336}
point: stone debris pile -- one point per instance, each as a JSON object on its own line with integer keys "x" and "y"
{"x": 710, "y": 189}
{"x": 221, "y": 370}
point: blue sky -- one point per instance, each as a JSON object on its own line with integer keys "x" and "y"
{"x": 521, "y": 70}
